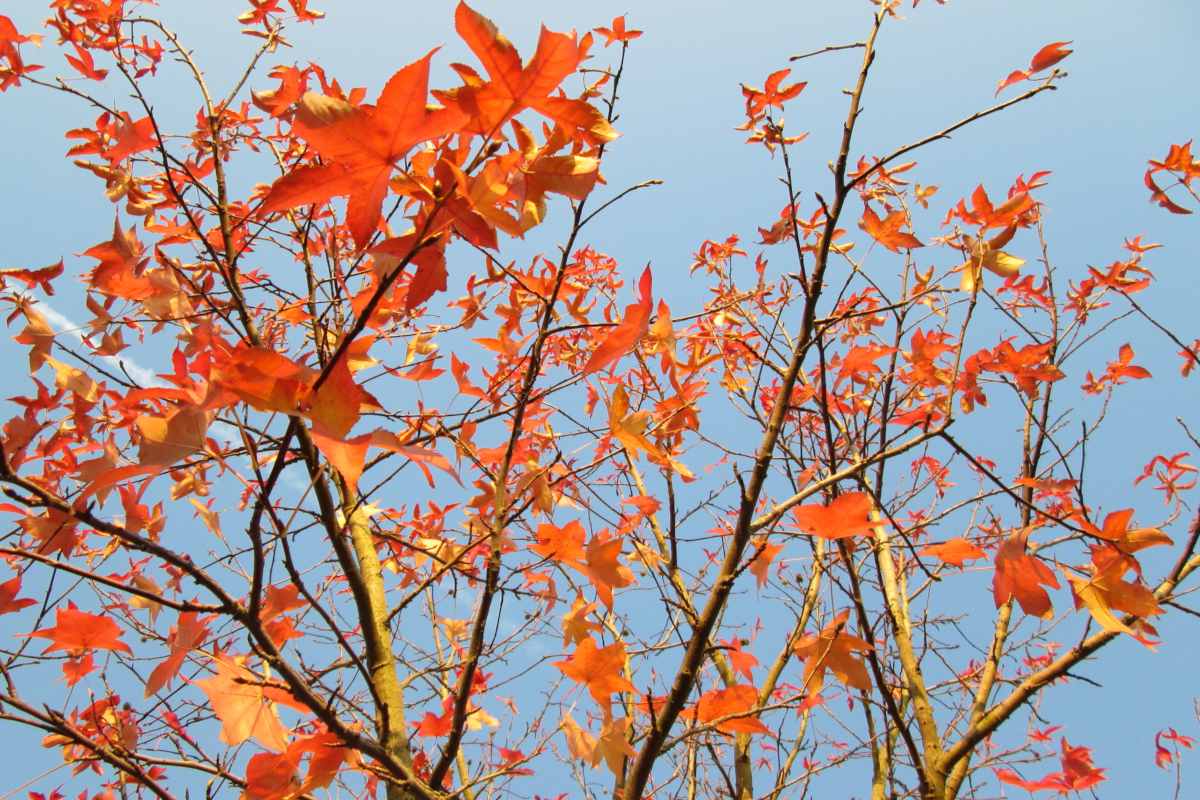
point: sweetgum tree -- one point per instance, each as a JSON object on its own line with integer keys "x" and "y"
{"x": 383, "y": 512}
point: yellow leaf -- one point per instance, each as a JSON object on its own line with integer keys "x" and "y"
{"x": 166, "y": 440}
{"x": 1107, "y": 590}
{"x": 629, "y": 429}
{"x": 986, "y": 254}
{"x": 580, "y": 743}
{"x": 614, "y": 745}
{"x": 76, "y": 380}
{"x": 575, "y": 626}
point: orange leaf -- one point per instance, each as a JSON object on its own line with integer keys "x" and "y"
{"x": 580, "y": 743}
{"x": 327, "y": 754}
{"x": 955, "y": 551}
{"x": 78, "y": 631}
{"x": 514, "y": 87}
{"x": 575, "y": 623}
{"x": 266, "y": 380}
{"x": 887, "y": 231}
{"x": 348, "y": 456}
{"x": 360, "y": 145}
{"x": 1107, "y": 591}
{"x": 618, "y": 32}
{"x": 629, "y": 429}
{"x": 459, "y": 370}
{"x": 738, "y": 703}
{"x": 187, "y": 635}
{"x": 423, "y": 457}
{"x": 1116, "y": 530}
{"x": 38, "y": 334}
{"x": 604, "y": 570}
{"x": 119, "y": 272}
{"x": 238, "y": 698}
{"x": 336, "y": 404}
{"x": 598, "y": 668}
{"x": 1021, "y": 576}
{"x": 625, "y": 336}
{"x": 166, "y": 440}
{"x": 280, "y": 600}
{"x": 833, "y": 649}
{"x": 34, "y": 277}
{"x": 848, "y": 515}
{"x": 131, "y": 137}
{"x": 271, "y": 776}
{"x": 277, "y": 101}
{"x": 74, "y": 380}
{"x": 564, "y": 544}
{"x": 760, "y": 563}
{"x": 773, "y": 94}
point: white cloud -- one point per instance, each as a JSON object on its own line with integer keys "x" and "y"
{"x": 65, "y": 325}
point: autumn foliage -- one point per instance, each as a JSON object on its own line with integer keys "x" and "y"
{"x": 385, "y": 512}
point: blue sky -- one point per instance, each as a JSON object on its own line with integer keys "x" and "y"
{"x": 1129, "y": 93}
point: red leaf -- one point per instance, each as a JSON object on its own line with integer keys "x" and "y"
{"x": 1015, "y": 76}
{"x": 741, "y": 660}
{"x": 436, "y": 725}
{"x": 429, "y": 279}
{"x": 1048, "y": 56}
{"x": 75, "y": 669}
{"x": 8, "y": 596}
{"x": 34, "y": 277}
{"x": 1043, "y": 59}
{"x": 1157, "y": 195}
{"x": 429, "y": 259}
{"x": 1077, "y": 773}
{"x": 360, "y": 145}
{"x": 78, "y": 631}
{"x": 85, "y": 65}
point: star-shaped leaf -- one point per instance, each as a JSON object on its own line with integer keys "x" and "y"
{"x": 600, "y": 669}
{"x": 833, "y": 649}
{"x": 239, "y": 699}
{"x": 359, "y": 146}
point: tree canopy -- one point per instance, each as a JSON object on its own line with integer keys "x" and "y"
{"x": 323, "y": 477}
